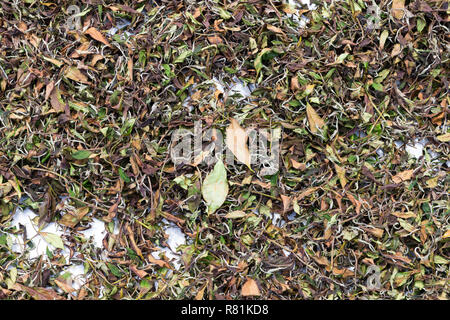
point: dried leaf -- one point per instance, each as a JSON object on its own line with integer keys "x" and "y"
{"x": 444, "y": 137}
{"x": 404, "y": 215}
{"x": 403, "y": 176}
{"x": 341, "y": 174}
{"x": 315, "y": 121}
{"x": 76, "y": 75}
{"x": 250, "y": 288}
{"x": 235, "y": 214}
{"x": 97, "y": 35}
{"x": 40, "y": 293}
{"x": 398, "y": 7}
{"x": 236, "y": 141}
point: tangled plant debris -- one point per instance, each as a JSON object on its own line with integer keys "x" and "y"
{"x": 92, "y": 206}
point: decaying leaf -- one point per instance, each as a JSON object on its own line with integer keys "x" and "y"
{"x": 40, "y": 293}
{"x": 348, "y": 170}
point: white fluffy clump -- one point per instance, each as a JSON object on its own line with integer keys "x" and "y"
{"x": 28, "y": 219}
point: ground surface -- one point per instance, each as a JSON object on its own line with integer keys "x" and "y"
{"x": 93, "y": 205}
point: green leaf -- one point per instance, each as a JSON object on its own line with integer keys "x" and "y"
{"x": 114, "y": 270}
{"x": 224, "y": 14}
{"x": 377, "y": 86}
{"x": 81, "y": 154}
{"x": 382, "y": 75}
{"x": 182, "y": 181}
{"x": 342, "y": 57}
{"x": 215, "y": 187}
{"x": 440, "y": 260}
{"x": 258, "y": 60}
{"x": 123, "y": 175}
{"x": 53, "y": 239}
{"x": 182, "y": 56}
{"x": 421, "y": 24}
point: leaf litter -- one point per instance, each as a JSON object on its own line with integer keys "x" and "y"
{"x": 92, "y": 206}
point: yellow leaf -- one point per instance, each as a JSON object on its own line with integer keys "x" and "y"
{"x": 315, "y": 121}
{"x": 433, "y": 182}
{"x": 396, "y": 50}
{"x": 235, "y": 214}
{"x": 250, "y": 288}
{"x": 200, "y": 293}
{"x": 404, "y": 215}
{"x": 444, "y": 137}
{"x": 446, "y": 234}
{"x": 341, "y": 174}
{"x": 237, "y": 142}
{"x": 403, "y": 176}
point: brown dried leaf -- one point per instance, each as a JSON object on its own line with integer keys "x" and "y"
{"x": 75, "y": 74}
{"x": 315, "y": 121}
{"x": 403, "y": 176}
{"x": 398, "y": 7}
{"x": 236, "y": 141}
{"x": 250, "y": 288}
{"x": 215, "y": 40}
{"x": 40, "y": 293}
{"x": 97, "y": 35}
{"x": 404, "y": 215}
{"x": 55, "y": 97}
{"x": 341, "y": 174}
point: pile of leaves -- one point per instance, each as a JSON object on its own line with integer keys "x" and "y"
{"x": 87, "y": 116}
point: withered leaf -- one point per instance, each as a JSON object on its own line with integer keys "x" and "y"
{"x": 236, "y": 141}
{"x": 97, "y": 35}
{"x": 315, "y": 121}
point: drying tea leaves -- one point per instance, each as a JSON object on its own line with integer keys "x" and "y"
{"x": 342, "y": 194}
